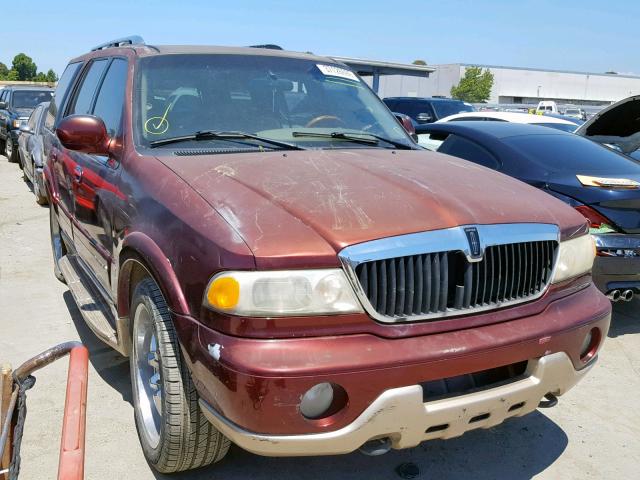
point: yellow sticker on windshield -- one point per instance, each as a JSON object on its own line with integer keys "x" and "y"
{"x": 157, "y": 125}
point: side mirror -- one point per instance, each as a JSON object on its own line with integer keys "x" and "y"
{"x": 24, "y": 128}
{"x": 3, "y": 105}
{"x": 84, "y": 133}
{"x": 407, "y": 124}
{"x": 424, "y": 118}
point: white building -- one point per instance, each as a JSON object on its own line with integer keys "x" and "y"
{"x": 520, "y": 85}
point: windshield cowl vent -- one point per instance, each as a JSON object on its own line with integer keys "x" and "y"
{"x": 212, "y": 151}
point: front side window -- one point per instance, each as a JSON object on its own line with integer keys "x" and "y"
{"x": 110, "y": 99}
{"x": 83, "y": 101}
{"x": 299, "y": 101}
{"x": 30, "y": 98}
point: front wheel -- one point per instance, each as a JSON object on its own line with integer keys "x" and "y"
{"x": 57, "y": 243}
{"x": 10, "y": 150}
{"x": 173, "y": 432}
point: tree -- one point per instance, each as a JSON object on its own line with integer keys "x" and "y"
{"x": 51, "y": 76}
{"x": 4, "y": 71}
{"x": 13, "y": 75}
{"x": 24, "y": 67}
{"x": 40, "y": 77}
{"x": 419, "y": 62}
{"x": 475, "y": 86}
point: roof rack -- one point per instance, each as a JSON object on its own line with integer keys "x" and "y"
{"x": 268, "y": 46}
{"x": 132, "y": 40}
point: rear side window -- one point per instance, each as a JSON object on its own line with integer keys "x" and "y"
{"x": 468, "y": 150}
{"x": 84, "y": 98}
{"x": 110, "y": 99}
{"x": 61, "y": 93}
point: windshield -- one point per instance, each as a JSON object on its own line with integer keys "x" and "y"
{"x": 267, "y": 96}
{"x": 573, "y": 154}
{"x": 565, "y": 127}
{"x": 30, "y": 98}
{"x": 444, "y": 109}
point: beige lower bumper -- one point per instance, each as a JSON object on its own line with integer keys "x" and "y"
{"x": 401, "y": 415}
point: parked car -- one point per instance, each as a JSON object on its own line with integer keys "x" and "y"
{"x": 601, "y": 184}
{"x": 541, "y": 120}
{"x": 427, "y": 110}
{"x": 16, "y": 104}
{"x": 31, "y": 151}
{"x": 576, "y": 112}
{"x": 576, "y": 121}
{"x": 288, "y": 271}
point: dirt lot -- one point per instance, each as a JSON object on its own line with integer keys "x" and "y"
{"x": 594, "y": 432}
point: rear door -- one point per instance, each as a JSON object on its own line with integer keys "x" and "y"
{"x": 95, "y": 177}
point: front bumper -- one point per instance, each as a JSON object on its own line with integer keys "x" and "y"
{"x": 257, "y": 384}
{"x": 401, "y": 415}
{"x": 621, "y": 268}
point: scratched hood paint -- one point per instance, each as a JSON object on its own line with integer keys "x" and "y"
{"x": 301, "y": 207}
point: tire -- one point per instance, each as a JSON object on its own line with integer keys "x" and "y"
{"x": 57, "y": 244}
{"x": 174, "y": 434}
{"x": 38, "y": 190}
{"x": 10, "y": 150}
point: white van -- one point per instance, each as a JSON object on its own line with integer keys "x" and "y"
{"x": 547, "y": 106}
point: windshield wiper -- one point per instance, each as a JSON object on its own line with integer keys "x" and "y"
{"x": 355, "y": 137}
{"x": 212, "y": 134}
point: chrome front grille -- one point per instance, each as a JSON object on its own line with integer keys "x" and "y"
{"x": 434, "y": 274}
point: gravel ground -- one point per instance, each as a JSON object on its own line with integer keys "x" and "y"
{"x": 594, "y": 432}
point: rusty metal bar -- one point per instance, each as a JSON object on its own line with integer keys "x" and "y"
{"x": 6, "y": 399}
{"x": 43, "y": 359}
{"x": 71, "y": 463}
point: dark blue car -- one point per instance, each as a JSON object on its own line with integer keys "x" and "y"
{"x": 600, "y": 183}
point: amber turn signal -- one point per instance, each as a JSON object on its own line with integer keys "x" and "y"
{"x": 224, "y": 293}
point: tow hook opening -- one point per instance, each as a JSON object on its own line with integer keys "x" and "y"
{"x": 376, "y": 447}
{"x": 551, "y": 401}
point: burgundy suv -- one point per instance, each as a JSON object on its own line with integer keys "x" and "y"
{"x": 287, "y": 270}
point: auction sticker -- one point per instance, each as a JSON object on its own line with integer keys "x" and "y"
{"x": 333, "y": 71}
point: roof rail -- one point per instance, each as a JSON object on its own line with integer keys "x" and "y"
{"x": 268, "y": 46}
{"x": 132, "y": 40}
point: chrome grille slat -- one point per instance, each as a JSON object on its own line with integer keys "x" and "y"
{"x": 436, "y": 274}
{"x": 433, "y": 283}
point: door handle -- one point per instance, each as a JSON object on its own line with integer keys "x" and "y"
{"x": 77, "y": 173}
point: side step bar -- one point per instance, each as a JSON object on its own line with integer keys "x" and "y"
{"x": 96, "y": 312}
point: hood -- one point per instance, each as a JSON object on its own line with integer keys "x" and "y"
{"x": 311, "y": 204}
{"x": 23, "y": 112}
{"x": 618, "y": 124}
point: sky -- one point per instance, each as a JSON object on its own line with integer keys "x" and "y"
{"x": 586, "y": 35}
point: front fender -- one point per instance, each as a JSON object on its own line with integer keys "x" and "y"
{"x": 140, "y": 248}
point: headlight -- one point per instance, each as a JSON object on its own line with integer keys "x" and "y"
{"x": 281, "y": 293}
{"x": 575, "y": 257}
{"x": 16, "y": 123}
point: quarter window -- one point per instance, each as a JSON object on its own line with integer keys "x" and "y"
{"x": 466, "y": 149}
{"x": 61, "y": 92}
{"x": 84, "y": 98}
{"x": 110, "y": 99}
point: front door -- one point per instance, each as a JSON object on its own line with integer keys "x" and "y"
{"x": 95, "y": 178}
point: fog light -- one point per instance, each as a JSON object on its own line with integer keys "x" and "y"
{"x": 590, "y": 345}
{"x": 317, "y": 400}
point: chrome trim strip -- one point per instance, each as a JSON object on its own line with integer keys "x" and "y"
{"x": 446, "y": 240}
